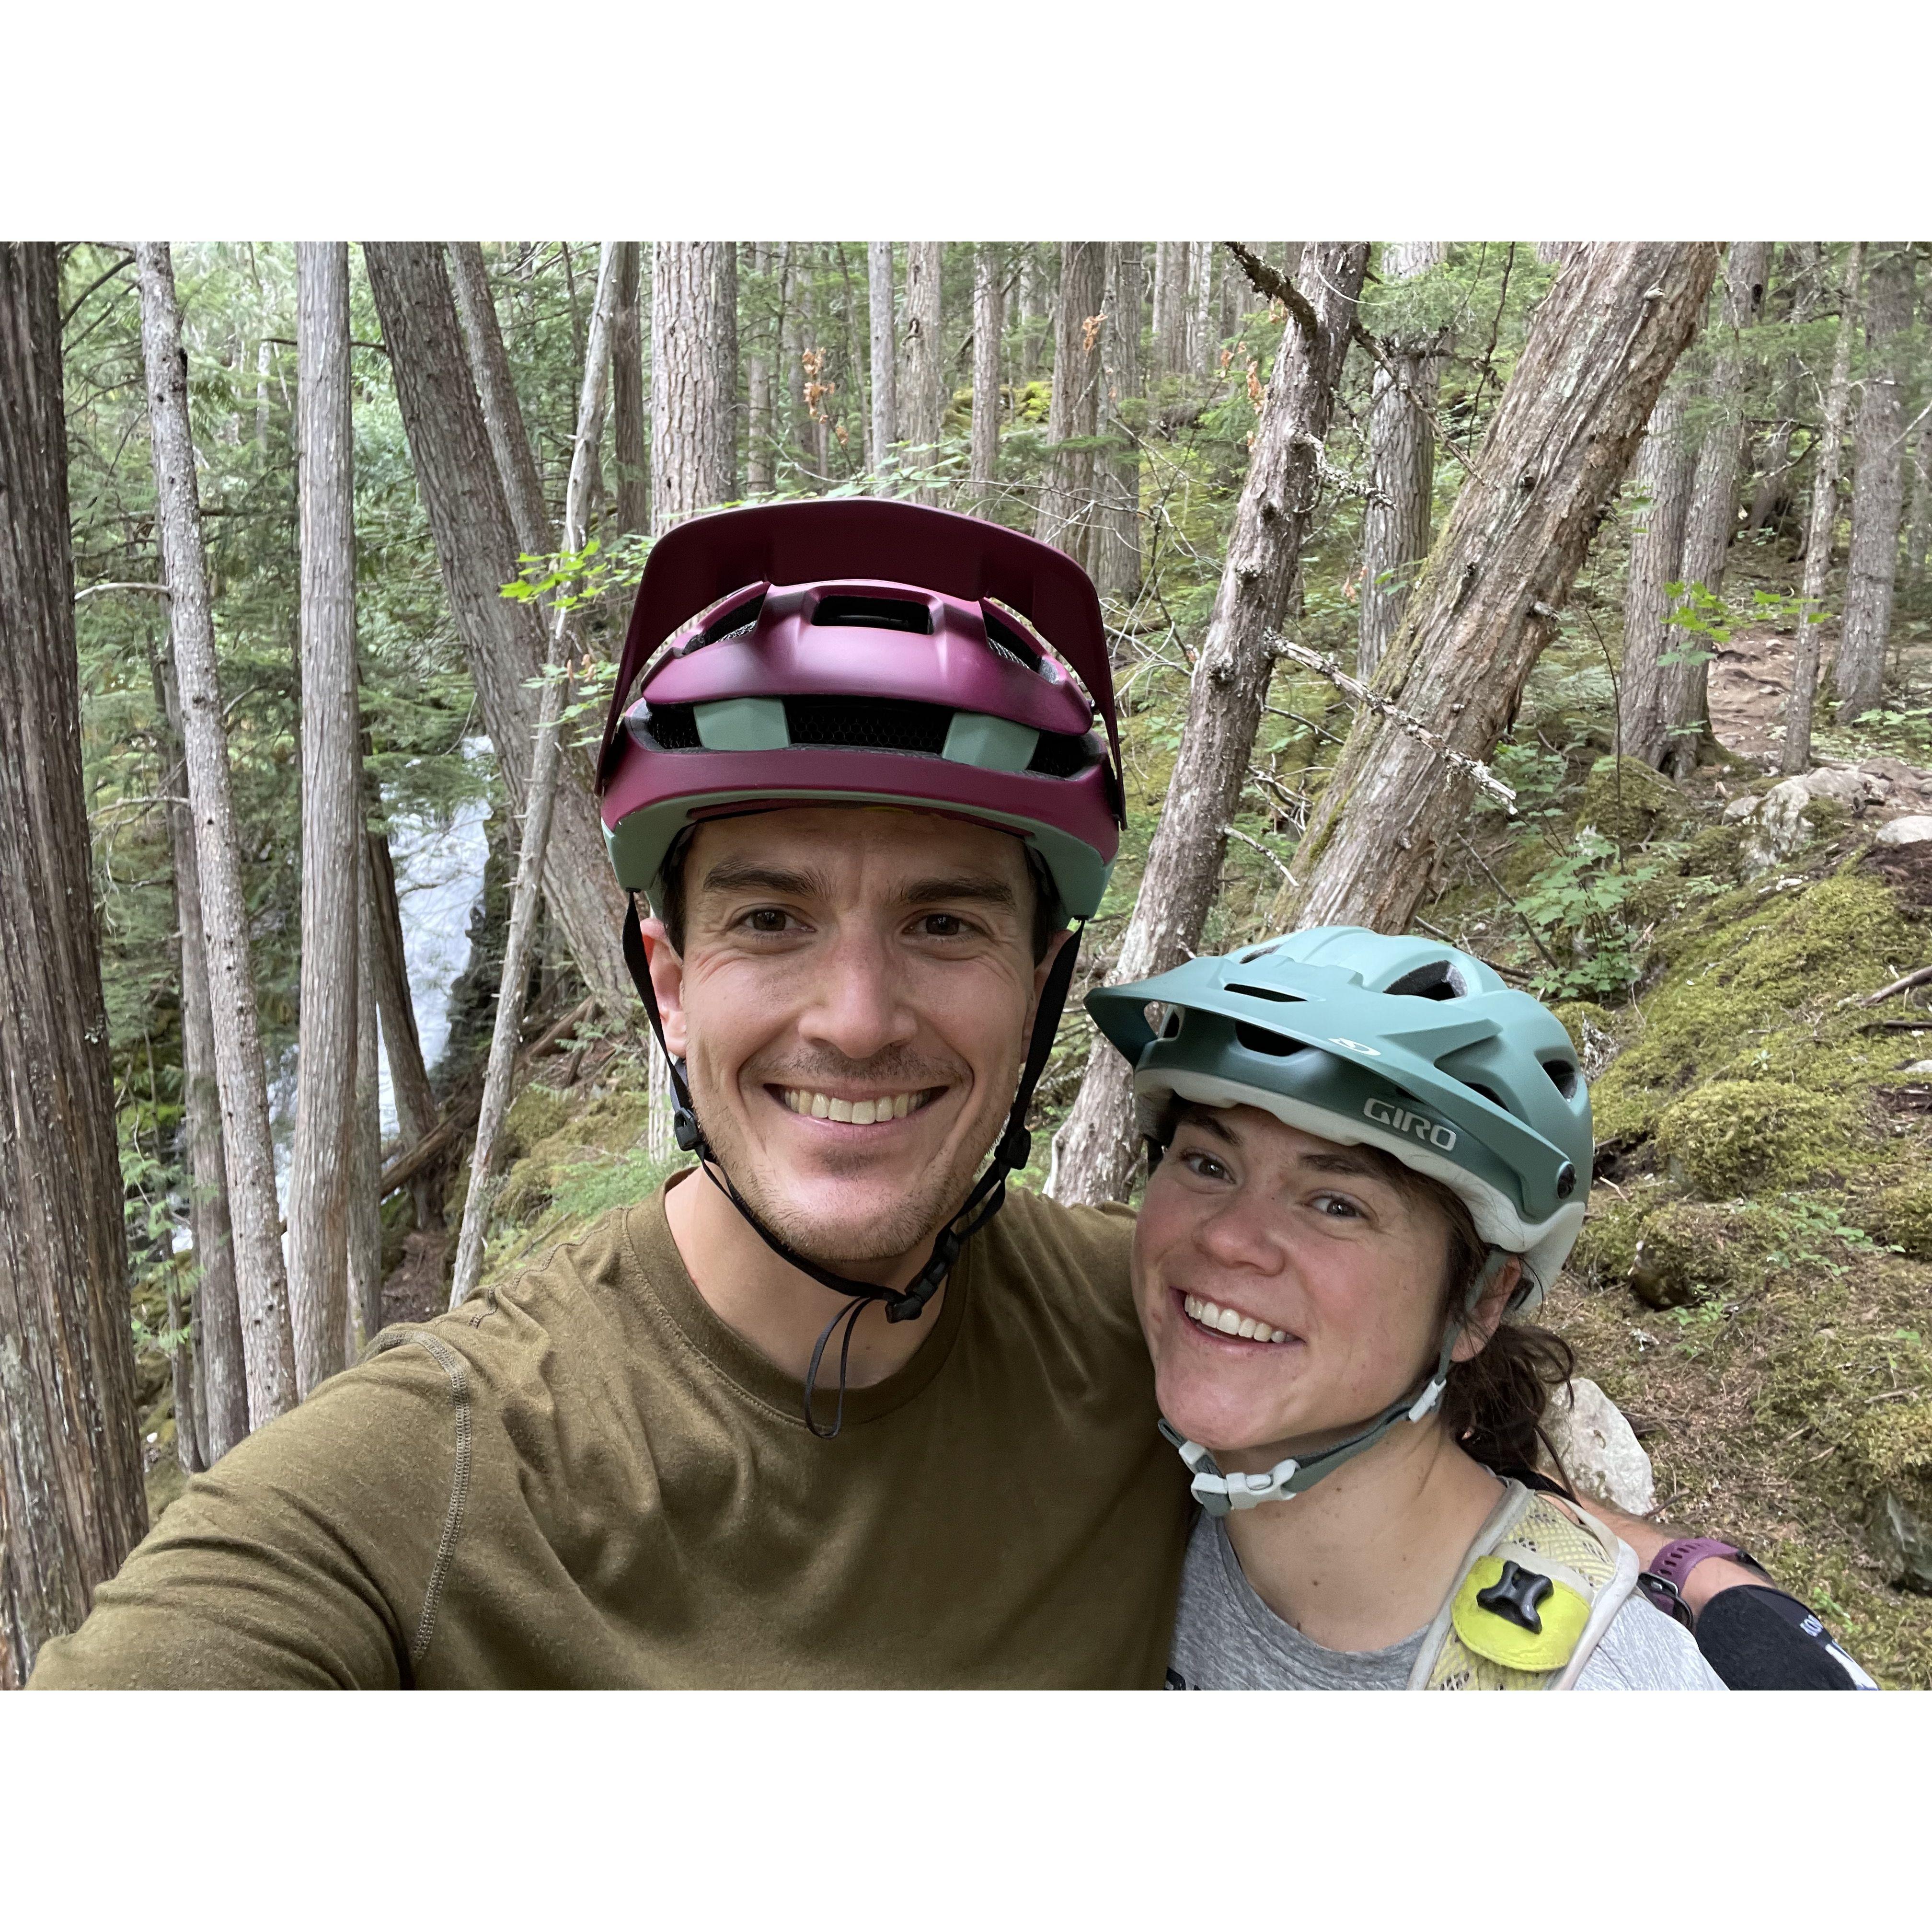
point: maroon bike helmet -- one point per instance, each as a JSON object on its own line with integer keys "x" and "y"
{"x": 852, "y": 651}
{"x": 863, "y": 651}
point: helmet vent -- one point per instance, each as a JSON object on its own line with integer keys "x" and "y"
{"x": 1006, "y": 642}
{"x": 1489, "y": 1093}
{"x": 1056, "y": 755}
{"x": 1267, "y": 993}
{"x": 1439, "y": 979}
{"x": 876, "y": 725}
{"x": 673, "y": 727}
{"x": 1170, "y": 1027}
{"x": 1562, "y": 1077}
{"x": 874, "y": 614}
{"x": 740, "y": 620}
{"x": 1259, "y": 1040}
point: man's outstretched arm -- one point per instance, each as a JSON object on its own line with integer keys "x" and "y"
{"x": 301, "y": 1560}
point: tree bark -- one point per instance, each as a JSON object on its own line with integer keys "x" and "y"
{"x": 988, "y": 324}
{"x": 1402, "y": 460}
{"x": 792, "y": 334}
{"x": 1065, "y": 516}
{"x": 1094, "y": 1154}
{"x": 1919, "y": 532}
{"x": 1033, "y": 310}
{"x": 761, "y": 469}
{"x": 727, "y": 344}
{"x": 688, "y": 405}
{"x": 1201, "y": 343}
{"x": 503, "y": 1039}
{"x": 922, "y": 400}
{"x": 630, "y": 451}
{"x": 318, "y": 1213}
{"x": 885, "y": 414}
{"x": 268, "y": 1346}
{"x": 502, "y": 417}
{"x": 1827, "y": 460}
{"x": 1665, "y": 465}
{"x": 1599, "y": 350}
{"x": 365, "y": 1161}
{"x": 1771, "y": 496}
{"x": 218, "y": 1313}
{"x": 1117, "y": 560}
{"x": 1878, "y": 484}
{"x": 71, "y": 1501}
{"x": 1170, "y": 307}
{"x": 502, "y": 640}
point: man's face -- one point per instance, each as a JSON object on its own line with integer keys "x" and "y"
{"x": 853, "y": 1005}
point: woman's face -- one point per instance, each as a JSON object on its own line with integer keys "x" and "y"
{"x": 1329, "y": 1277}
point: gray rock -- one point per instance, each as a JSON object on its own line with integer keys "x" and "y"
{"x": 1903, "y": 1540}
{"x": 1777, "y": 828}
{"x": 1600, "y": 1449}
{"x": 1911, "y": 831}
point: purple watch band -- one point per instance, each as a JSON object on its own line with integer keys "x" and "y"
{"x": 1675, "y": 1560}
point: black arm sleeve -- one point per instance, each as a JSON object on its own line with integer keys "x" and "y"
{"x": 1757, "y": 1639}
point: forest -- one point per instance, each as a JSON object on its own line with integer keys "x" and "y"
{"x": 1567, "y": 601}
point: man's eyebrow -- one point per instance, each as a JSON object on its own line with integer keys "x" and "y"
{"x": 1193, "y": 1114}
{"x": 983, "y": 887}
{"x": 737, "y": 875}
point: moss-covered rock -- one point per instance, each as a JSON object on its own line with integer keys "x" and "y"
{"x": 534, "y": 1115}
{"x": 1752, "y": 991}
{"x": 1686, "y": 1251}
{"x": 1893, "y": 1449}
{"x": 1594, "y": 1031}
{"x": 1607, "y": 1249}
{"x": 1717, "y": 852}
{"x": 1631, "y": 803}
{"x": 608, "y": 1127}
{"x": 1732, "y": 1135}
{"x": 1904, "y": 1216}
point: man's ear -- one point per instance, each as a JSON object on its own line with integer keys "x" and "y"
{"x": 1045, "y": 966}
{"x": 666, "y": 982}
{"x": 1486, "y": 1316}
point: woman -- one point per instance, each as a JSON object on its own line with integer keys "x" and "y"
{"x": 1368, "y": 1155}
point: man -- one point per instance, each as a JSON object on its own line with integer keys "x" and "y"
{"x": 863, "y": 794}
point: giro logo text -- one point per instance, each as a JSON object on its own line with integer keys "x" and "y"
{"x": 1387, "y": 1114}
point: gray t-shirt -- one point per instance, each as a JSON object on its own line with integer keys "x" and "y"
{"x": 1226, "y": 1638}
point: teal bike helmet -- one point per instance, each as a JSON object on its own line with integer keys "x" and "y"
{"x": 1403, "y": 1044}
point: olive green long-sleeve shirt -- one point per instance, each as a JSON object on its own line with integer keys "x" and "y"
{"x": 585, "y": 1478}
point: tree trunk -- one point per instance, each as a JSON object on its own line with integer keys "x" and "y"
{"x": 1116, "y": 561}
{"x": 267, "y": 1346}
{"x": 885, "y": 352}
{"x": 792, "y": 281}
{"x": 1033, "y": 310}
{"x": 71, "y": 1502}
{"x": 1201, "y": 346}
{"x": 365, "y": 1161}
{"x": 727, "y": 342}
{"x": 1711, "y": 521}
{"x": 489, "y": 369}
{"x": 1666, "y": 465}
{"x": 218, "y": 1314}
{"x": 988, "y": 326}
{"x": 1878, "y": 484}
{"x": 536, "y": 819}
{"x": 1065, "y": 517}
{"x": 1599, "y": 350}
{"x": 1170, "y": 307}
{"x": 331, "y": 819}
{"x": 1919, "y": 533}
{"x": 922, "y": 403}
{"x": 1094, "y": 1154}
{"x": 1771, "y": 496}
{"x": 1827, "y": 461}
{"x": 417, "y": 1113}
{"x": 688, "y": 405}
{"x": 1401, "y": 459}
{"x": 760, "y": 470}
{"x": 502, "y": 640}
{"x": 630, "y": 451}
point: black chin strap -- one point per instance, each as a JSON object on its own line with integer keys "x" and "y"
{"x": 988, "y": 1193}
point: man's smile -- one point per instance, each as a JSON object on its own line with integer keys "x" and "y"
{"x": 859, "y": 1110}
